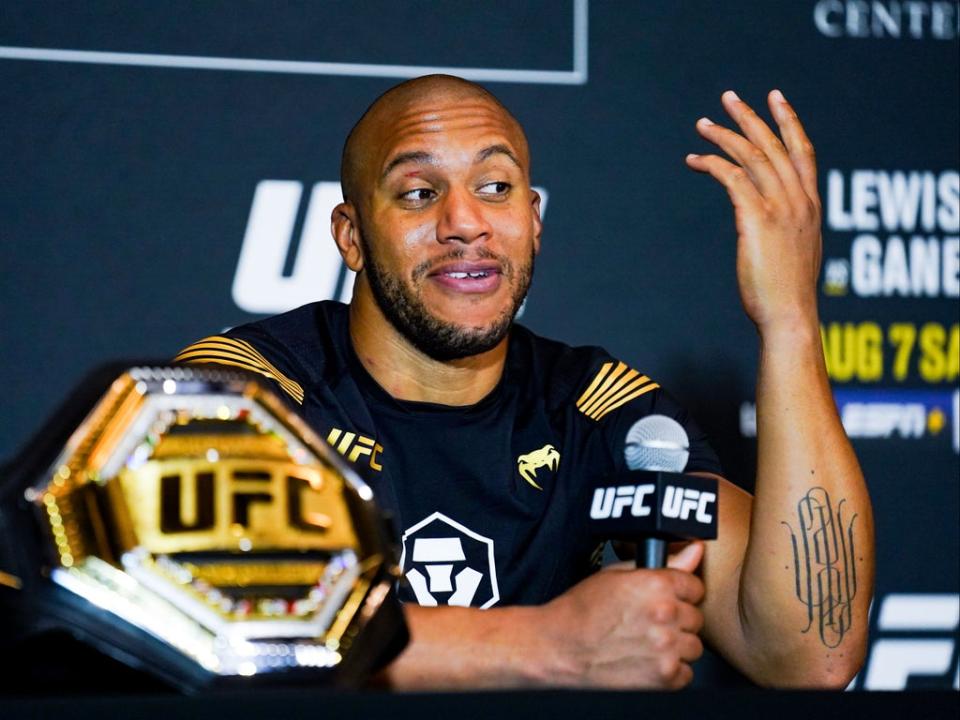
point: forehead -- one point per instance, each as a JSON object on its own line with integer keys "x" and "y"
{"x": 446, "y": 127}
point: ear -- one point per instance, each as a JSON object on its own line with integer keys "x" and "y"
{"x": 345, "y": 228}
{"x": 537, "y": 222}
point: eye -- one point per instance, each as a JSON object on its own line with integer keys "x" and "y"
{"x": 495, "y": 188}
{"x": 418, "y": 196}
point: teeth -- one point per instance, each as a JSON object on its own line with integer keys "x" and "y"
{"x": 464, "y": 275}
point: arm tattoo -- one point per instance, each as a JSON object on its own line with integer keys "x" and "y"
{"x": 825, "y": 567}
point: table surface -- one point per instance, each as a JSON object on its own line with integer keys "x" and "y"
{"x": 554, "y": 704}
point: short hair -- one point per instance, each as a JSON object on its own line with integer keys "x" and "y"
{"x": 409, "y": 90}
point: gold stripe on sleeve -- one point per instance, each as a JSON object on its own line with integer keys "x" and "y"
{"x": 229, "y": 352}
{"x": 614, "y": 396}
{"x": 237, "y": 360}
{"x": 254, "y": 356}
{"x": 601, "y": 391}
{"x": 628, "y": 398}
{"x": 215, "y": 352}
{"x": 604, "y": 397}
{"x": 614, "y": 385}
{"x": 593, "y": 385}
{"x": 238, "y": 353}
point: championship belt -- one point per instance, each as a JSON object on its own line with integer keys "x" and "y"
{"x": 185, "y": 521}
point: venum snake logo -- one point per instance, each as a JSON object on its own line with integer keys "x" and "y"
{"x": 547, "y": 456}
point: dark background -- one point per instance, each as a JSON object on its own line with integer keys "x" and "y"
{"x": 125, "y": 190}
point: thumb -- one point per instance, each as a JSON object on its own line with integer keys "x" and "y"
{"x": 688, "y": 558}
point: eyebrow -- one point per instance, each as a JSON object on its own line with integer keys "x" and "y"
{"x": 421, "y": 157}
{"x": 415, "y": 156}
{"x": 499, "y": 149}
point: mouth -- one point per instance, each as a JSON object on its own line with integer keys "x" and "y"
{"x": 468, "y": 277}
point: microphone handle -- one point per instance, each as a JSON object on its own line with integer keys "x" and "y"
{"x": 651, "y": 553}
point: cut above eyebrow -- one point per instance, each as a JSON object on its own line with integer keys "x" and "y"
{"x": 422, "y": 157}
{"x": 415, "y": 156}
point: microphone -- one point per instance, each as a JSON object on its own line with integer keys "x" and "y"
{"x": 654, "y": 503}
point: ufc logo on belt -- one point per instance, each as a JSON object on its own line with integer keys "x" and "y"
{"x": 266, "y": 500}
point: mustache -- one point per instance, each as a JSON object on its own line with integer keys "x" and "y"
{"x": 423, "y": 269}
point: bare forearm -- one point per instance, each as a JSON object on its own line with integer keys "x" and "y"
{"x": 465, "y": 647}
{"x": 618, "y": 628}
{"x": 808, "y": 571}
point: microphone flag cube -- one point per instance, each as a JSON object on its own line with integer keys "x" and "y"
{"x": 656, "y": 504}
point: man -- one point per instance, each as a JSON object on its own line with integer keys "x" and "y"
{"x": 475, "y": 433}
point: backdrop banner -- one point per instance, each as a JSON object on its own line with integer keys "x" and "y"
{"x": 167, "y": 173}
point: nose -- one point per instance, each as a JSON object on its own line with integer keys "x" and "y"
{"x": 462, "y": 218}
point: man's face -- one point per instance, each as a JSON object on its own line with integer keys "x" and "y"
{"x": 451, "y": 226}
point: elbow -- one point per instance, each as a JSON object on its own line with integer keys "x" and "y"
{"x": 833, "y": 676}
{"x": 806, "y": 663}
{"x": 838, "y": 667}
{"x": 833, "y": 670}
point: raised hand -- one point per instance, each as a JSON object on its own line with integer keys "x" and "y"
{"x": 773, "y": 187}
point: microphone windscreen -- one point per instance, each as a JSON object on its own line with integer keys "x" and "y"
{"x": 657, "y": 443}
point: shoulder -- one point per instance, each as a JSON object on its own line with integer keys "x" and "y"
{"x": 605, "y": 394}
{"x": 586, "y": 377}
{"x": 293, "y": 349}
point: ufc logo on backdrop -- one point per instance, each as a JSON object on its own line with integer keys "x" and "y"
{"x": 268, "y": 280}
{"x": 916, "y": 644}
{"x": 262, "y": 284}
{"x": 677, "y": 502}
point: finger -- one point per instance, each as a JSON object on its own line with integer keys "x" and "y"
{"x": 620, "y": 566}
{"x": 743, "y": 193}
{"x": 688, "y": 558}
{"x": 689, "y": 647}
{"x": 681, "y": 678}
{"x": 801, "y": 150}
{"x": 760, "y": 134}
{"x": 689, "y": 617}
{"x": 756, "y": 162}
{"x": 676, "y": 546}
{"x": 686, "y": 587}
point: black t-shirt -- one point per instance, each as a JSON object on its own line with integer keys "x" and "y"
{"x": 490, "y": 500}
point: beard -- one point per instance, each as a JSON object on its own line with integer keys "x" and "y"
{"x": 439, "y": 339}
